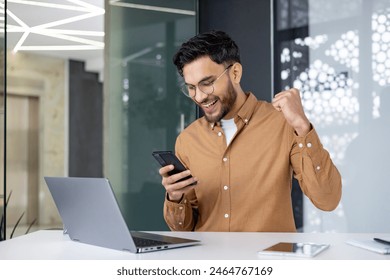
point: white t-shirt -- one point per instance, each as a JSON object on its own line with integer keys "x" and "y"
{"x": 229, "y": 128}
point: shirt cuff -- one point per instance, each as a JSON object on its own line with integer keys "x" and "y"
{"x": 310, "y": 146}
{"x": 176, "y": 214}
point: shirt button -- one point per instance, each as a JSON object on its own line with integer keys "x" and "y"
{"x": 308, "y": 145}
{"x": 219, "y": 133}
{"x": 300, "y": 145}
{"x": 181, "y": 207}
{"x": 225, "y": 188}
{"x": 246, "y": 120}
{"x": 180, "y": 223}
{"x": 225, "y": 159}
{"x": 226, "y": 215}
{"x": 318, "y": 167}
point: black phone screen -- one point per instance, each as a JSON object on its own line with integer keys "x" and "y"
{"x": 168, "y": 157}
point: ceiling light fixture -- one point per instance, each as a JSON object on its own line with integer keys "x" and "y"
{"x": 67, "y": 35}
{"x": 82, "y": 5}
{"x": 152, "y": 8}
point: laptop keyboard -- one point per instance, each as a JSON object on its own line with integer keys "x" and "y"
{"x": 143, "y": 242}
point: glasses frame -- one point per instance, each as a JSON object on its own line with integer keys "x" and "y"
{"x": 185, "y": 91}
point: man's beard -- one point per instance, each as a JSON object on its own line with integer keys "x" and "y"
{"x": 226, "y": 105}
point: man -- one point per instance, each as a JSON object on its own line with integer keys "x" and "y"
{"x": 243, "y": 152}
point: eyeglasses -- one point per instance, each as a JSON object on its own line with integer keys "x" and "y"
{"x": 207, "y": 87}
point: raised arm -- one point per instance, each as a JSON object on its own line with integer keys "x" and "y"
{"x": 318, "y": 177}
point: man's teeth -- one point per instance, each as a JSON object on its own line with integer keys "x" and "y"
{"x": 210, "y": 104}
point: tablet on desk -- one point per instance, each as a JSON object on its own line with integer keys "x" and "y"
{"x": 295, "y": 249}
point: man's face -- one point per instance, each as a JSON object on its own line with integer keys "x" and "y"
{"x": 218, "y": 104}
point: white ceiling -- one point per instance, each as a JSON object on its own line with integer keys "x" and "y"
{"x": 71, "y": 29}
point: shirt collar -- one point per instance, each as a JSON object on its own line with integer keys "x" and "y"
{"x": 246, "y": 111}
{"x": 244, "y": 114}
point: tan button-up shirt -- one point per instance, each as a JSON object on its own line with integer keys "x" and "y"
{"x": 246, "y": 186}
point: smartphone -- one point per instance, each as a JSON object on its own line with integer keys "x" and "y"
{"x": 165, "y": 158}
{"x": 295, "y": 249}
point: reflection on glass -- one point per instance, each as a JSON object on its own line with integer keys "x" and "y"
{"x": 146, "y": 108}
{"x": 343, "y": 72}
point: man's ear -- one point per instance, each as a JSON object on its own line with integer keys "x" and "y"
{"x": 236, "y": 73}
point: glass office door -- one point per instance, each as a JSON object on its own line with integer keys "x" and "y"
{"x": 144, "y": 109}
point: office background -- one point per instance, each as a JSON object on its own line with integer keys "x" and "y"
{"x": 62, "y": 118}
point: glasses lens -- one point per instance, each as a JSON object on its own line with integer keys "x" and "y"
{"x": 184, "y": 89}
{"x": 206, "y": 88}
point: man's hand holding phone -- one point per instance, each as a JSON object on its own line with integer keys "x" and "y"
{"x": 174, "y": 184}
{"x": 176, "y": 179}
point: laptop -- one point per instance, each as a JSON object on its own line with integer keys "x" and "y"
{"x": 90, "y": 214}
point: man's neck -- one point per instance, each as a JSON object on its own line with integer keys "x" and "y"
{"x": 240, "y": 100}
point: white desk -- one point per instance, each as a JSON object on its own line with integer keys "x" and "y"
{"x": 52, "y": 244}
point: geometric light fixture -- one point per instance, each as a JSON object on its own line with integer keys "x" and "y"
{"x": 126, "y": 4}
{"x": 60, "y": 26}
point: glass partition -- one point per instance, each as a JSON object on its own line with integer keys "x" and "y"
{"x": 144, "y": 109}
{"x": 337, "y": 53}
{"x": 40, "y": 81}
{"x": 2, "y": 120}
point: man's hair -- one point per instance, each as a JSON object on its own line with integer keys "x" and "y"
{"x": 215, "y": 44}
